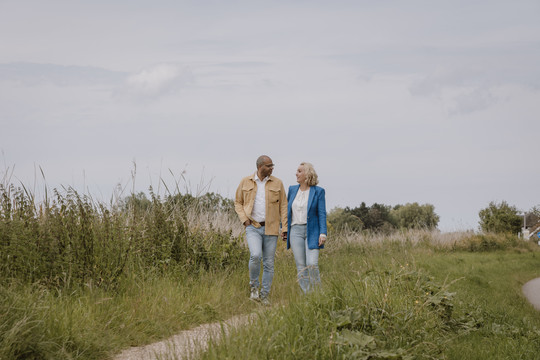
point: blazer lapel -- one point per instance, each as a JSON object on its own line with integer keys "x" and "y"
{"x": 311, "y": 196}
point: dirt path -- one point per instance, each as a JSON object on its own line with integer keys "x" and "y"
{"x": 185, "y": 344}
{"x": 531, "y": 290}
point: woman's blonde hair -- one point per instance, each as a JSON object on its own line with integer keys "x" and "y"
{"x": 311, "y": 176}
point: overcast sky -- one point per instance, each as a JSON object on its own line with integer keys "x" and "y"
{"x": 392, "y": 101}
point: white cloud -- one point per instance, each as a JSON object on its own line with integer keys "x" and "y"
{"x": 158, "y": 80}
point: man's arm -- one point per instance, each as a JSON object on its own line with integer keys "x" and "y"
{"x": 239, "y": 205}
{"x": 283, "y": 212}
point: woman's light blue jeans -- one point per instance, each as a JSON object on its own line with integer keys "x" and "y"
{"x": 263, "y": 247}
{"x": 307, "y": 260}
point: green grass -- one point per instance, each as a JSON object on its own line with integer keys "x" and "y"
{"x": 81, "y": 280}
{"x": 491, "y": 285}
{"x": 400, "y": 301}
{"x": 379, "y": 300}
{"x": 36, "y": 323}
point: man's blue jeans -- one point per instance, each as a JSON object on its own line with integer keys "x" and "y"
{"x": 261, "y": 247}
{"x": 307, "y": 260}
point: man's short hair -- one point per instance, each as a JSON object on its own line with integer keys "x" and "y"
{"x": 261, "y": 159}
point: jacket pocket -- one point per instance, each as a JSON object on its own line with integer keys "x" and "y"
{"x": 247, "y": 190}
{"x": 274, "y": 195}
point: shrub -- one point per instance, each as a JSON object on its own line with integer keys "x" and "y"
{"x": 415, "y": 216}
{"x": 500, "y": 218}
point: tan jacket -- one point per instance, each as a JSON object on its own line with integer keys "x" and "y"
{"x": 276, "y": 203}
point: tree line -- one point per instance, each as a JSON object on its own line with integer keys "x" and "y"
{"x": 377, "y": 217}
{"x": 384, "y": 218}
{"x": 497, "y": 217}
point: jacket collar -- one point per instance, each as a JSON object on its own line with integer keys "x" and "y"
{"x": 254, "y": 177}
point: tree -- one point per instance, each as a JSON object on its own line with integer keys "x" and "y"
{"x": 535, "y": 210}
{"x": 343, "y": 220}
{"x": 136, "y": 202}
{"x": 375, "y": 217}
{"x": 500, "y": 218}
{"x": 382, "y": 218}
{"x": 415, "y": 216}
{"x": 207, "y": 202}
{"x": 532, "y": 217}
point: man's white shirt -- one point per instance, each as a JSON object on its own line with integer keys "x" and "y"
{"x": 259, "y": 207}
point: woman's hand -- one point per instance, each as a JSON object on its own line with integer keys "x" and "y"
{"x": 322, "y": 239}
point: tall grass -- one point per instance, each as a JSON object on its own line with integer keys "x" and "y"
{"x": 80, "y": 279}
{"x": 70, "y": 240}
{"x": 436, "y": 240}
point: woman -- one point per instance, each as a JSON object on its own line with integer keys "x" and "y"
{"x": 307, "y": 225}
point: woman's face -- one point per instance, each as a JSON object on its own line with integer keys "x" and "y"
{"x": 301, "y": 175}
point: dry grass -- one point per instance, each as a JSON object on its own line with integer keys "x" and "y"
{"x": 436, "y": 240}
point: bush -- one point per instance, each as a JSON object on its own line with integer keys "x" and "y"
{"x": 415, "y": 216}
{"x": 341, "y": 220}
{"x": 500, "y": 218}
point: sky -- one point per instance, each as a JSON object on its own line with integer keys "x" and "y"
{"x": 393, "y": 102}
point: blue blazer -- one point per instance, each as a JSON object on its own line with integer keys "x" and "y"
{"x": 316, "y": 215}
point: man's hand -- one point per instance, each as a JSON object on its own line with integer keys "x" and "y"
{"x": 284, "y": 235}
{"x": 247, "y": 223}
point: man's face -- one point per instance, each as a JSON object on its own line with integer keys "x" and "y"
{"x": 266, "y": 168}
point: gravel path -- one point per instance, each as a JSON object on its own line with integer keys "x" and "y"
{"x": 185, "y": 344}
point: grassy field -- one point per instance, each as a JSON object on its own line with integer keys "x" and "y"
{"x": 405, "y": 300}
{"x": 81, "y": 280}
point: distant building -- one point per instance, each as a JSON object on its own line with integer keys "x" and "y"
{"x": 531, "y": 225}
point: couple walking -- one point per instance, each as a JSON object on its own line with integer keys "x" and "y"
{"x": 261, "y": 205}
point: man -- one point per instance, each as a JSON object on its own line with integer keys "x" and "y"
{"x": 261, "y": 203}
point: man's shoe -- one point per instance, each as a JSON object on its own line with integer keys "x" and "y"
{"x": 265, "y": 301}
{"x": 254, "y": 294}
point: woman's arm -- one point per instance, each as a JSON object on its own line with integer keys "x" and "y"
{"x": 321, "y": 211}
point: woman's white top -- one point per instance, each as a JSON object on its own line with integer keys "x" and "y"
{"x": 299, "y": 207}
